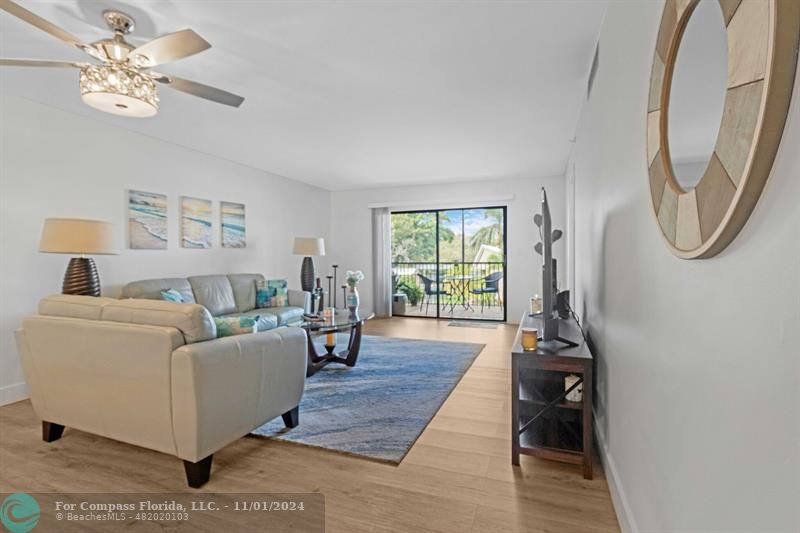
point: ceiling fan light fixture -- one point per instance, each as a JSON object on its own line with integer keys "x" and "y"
{"x": 118, "y": 90}
{"x": 121, "y": 84}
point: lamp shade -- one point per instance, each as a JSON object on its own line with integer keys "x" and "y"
{"x": 77, "y": 236}
{"x": 309, "y": 246}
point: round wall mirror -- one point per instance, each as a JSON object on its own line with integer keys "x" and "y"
{"x": 697, "y": 95}
{"x": 720, "y": 87}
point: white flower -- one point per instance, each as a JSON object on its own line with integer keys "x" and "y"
{"x": 353, "y": 277}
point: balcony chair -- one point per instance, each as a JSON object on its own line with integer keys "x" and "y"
{"x": 490, "y": 287}
{"x": 431, "y": 289}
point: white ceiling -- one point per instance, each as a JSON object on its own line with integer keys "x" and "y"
{"x": 350, "y": 94}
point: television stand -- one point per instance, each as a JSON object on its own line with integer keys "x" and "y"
{"x": 544, "y": 423}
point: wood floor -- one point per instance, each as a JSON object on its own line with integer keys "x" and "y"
{"x": 457, "y": 478}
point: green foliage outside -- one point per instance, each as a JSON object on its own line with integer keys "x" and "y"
{"x": 490, "y": 234}
{"x": 414, "y": 237}
{"x": 414, "y": 241}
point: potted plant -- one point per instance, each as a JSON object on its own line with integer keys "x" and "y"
{"x": 412, "y": 292}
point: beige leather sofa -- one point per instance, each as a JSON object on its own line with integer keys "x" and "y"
{"x": 152, "y": 373}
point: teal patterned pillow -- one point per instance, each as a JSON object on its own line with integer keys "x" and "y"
{"x": 262, "y": 297}
{"x": 235, "y": 325}
{"x": 279, "y": 292}
{"x": 171, "y": 295}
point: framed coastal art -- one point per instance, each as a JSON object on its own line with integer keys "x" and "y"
{"x": 147, "y": 220}
{"x": 195, "y": 222}
{"x": 232, "y": 220}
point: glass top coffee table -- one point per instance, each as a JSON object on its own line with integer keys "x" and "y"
{"x": 342, "y": 321}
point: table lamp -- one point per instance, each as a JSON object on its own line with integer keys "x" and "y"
{"x": 79, "y": 237}
{"x": 308, "y": 246}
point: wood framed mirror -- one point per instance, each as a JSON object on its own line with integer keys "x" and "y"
{"x": 707, "y": 174}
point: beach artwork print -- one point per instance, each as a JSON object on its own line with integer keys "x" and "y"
{"x": 147, "y": 220}
{"x": 233, "y": 228}
{"x": 195, "y": 223}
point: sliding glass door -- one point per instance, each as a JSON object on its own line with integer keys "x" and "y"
{"x": 450, "y": 263}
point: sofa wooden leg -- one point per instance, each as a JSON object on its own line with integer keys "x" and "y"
{"x": 292, "y": 417}
{"x": 198, "y": 474}
{"x": 51, "y": 431}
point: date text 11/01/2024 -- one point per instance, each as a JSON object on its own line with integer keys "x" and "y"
{"x": 251, "y": 506}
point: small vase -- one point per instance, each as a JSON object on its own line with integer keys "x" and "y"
{"x": 352, "y": 299}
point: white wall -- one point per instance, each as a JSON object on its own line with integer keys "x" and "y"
{"x": 698, "y": 374}
{"x": 351, "y": 227}
{"x": 55, "y": 164}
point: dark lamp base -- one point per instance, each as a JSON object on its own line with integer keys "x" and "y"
{"x": 307, "y": 274}
{"x": 81, "y": 277}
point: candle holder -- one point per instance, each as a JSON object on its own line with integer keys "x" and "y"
{"x": 317, "y": 294}
{"x": 334, "y": 284}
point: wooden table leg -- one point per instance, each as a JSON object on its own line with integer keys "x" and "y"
{"x": 353, "y": 346}
{"x": 314, "y": 360}
{"x": 588, "y": 426}
{"x": 347, "y": 357}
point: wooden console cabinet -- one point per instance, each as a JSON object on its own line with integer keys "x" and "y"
{"x": 544, "y": 423}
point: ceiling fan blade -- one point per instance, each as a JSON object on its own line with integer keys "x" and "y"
{"x": 46, "y": 26}
{"x": 39, "y": 63}
{"x": 198, "y": 89}
{"x": 168, "y": 48}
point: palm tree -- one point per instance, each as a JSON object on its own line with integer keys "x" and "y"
{"x": 491, "y": 234}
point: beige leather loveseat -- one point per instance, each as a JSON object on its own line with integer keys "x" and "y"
{"x": 152, "y": 373}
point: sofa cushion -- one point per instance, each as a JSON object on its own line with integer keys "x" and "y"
{"x": 214, "y": 293}
{"x": 67, "y": 305}
{"x": 193, "y": 320}
{"x": 244, "y": 290}
{"x": 265, "y": 322}
{"x": 235, "y": 325}
{"x": 150, "y": 289}
{"x": 284, "y": 315}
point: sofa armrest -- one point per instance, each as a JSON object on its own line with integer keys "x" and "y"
{"x": 224, "y": 388}
{"x": 107, "y": 378}
{"x": 300, "y": 299}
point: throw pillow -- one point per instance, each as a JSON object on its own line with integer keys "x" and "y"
{"x": 262, "y": 295}
{"x": 235, "y": 325}
{"x": 171, "y": 295}
{"x": 279, "y": 290}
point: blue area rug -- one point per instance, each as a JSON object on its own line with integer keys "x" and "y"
{"x": 379, "y": 407}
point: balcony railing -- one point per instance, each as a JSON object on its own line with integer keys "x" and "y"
{"x": 457, "y": 290}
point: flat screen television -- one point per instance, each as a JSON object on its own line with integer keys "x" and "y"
{"x": 550, "y": 318}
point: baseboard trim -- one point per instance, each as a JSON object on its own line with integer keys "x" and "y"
{"x": 13, "y": 393}
{"x": 627, "y": 524}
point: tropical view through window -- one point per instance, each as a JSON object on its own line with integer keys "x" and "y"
{"x": 450, "y": 263}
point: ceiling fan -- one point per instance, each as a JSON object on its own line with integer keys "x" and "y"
{"x": 123, "y": 83}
